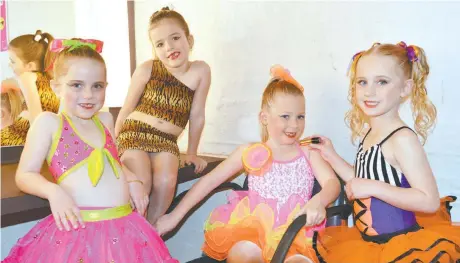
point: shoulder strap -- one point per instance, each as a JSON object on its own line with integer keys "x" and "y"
{"x": 105, "y": 132}
{"x": 393, "y": 132}
{"x": 362, "y": 141}
{"x": 55, "y": 140}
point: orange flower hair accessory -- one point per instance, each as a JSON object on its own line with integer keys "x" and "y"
{"x": 279, "y": 72}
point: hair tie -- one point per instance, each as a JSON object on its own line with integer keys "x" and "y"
{"x": 279, "y": 72}
{"x": 37, "y": 37}
{"x": 60, "y": 44}
{"x": 354, "y": 57}
{"x": 411, "y": 51}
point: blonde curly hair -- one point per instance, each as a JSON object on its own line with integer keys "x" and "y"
{"x": 413, "y": 62}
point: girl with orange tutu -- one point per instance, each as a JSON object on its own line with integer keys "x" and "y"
{"x": 92, "y": 219}
{"x": 393, "y": 191}
{"x": 281, "y": 174}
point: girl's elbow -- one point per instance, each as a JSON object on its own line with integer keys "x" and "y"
{"x": 19, "y": 181}
{"x": 433, "y": 205}
{"x": 430, "y": 205}
{"x": 197, "y": 120}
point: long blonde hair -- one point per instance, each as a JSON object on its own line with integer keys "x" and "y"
{"x": 413, "y": 62}
{"x": 12, "y": 98}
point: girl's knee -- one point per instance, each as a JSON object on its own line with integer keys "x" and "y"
{"x": 245, "y": 251}
{"x": 165, "y": 181}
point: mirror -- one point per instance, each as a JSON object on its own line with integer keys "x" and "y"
{"x": 65, "y": 20}
{"x": 21, "y": 18}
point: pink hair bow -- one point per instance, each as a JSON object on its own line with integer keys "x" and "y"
{"x": 279, "y": 72}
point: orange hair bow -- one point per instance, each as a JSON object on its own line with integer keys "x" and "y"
{"x": 279, "y": 72}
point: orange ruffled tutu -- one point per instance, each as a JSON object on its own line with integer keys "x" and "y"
{"x": 438, "y": 240}
{"x": 249, "y": 217}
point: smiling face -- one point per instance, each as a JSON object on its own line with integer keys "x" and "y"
{"x": 285, "y": 118}
{"x": 82, "y": 87}
{"x": 170, "y": 42}
{"x": 380, "y": 85}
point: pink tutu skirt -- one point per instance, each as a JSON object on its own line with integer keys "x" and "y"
{"x": 128, "y": 239}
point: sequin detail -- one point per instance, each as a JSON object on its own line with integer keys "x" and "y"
{"x": 71, "y": 150}
{"x": 283, "y": 180}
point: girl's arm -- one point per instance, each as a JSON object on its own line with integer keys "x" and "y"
{"x": 197, "y": 113}
{"x": 343, "y": 168}
{"x": 136, "y": 188}
{"x": 138, "y": 81}
{"x": 30, "y": 93}
{"x": 326, "y": 177}
{"x": 209, "y": 182}
{"x": 423, "y": 196}
{"x": 327, "y": 151}
{"x": 29, "y": 179}
{"x": 37, "y": 145}
{"x": 107, "y": 119}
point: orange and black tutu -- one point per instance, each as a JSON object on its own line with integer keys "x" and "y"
{"x": 433, "y": 238}
{"x": 249, "y": 217}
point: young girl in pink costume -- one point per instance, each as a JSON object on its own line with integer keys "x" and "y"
{"x": 92, "y": 219}
{"x": 281, "y": 175}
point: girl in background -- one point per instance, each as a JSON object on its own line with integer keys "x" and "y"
{"x": 165, "y": 94}
{"x": 31, "y": 61}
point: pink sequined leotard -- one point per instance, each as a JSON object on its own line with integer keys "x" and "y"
{"x": 69, "y": 151}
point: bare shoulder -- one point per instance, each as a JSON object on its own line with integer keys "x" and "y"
{"x": 405, "y": 136}
{"x": 237, "y": 155}
{"x": 243, "y": 147}
{"x": 404, "y": 142}
{"x": 106, "y": 118}
{"x": 201, "y": 67}
{"x": 46, "y": 122}
{"x": 146, "y": 65}
{"x": 144, "y": 70}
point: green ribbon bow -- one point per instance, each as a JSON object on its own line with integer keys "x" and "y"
{"x": 73, "y": 44}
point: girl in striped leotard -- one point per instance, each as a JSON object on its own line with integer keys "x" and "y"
{"x": 396, "y": 204}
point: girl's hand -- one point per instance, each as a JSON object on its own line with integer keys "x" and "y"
{"x": 315, "y": 211}
{"x": 63, "y": 208}
{"x": 166, "y": 223}
{"x": 139, "y": 199}
{"x": 199, "y": 163}
{"x": 325, "y": 147}
{"x": 358, "y": 188}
